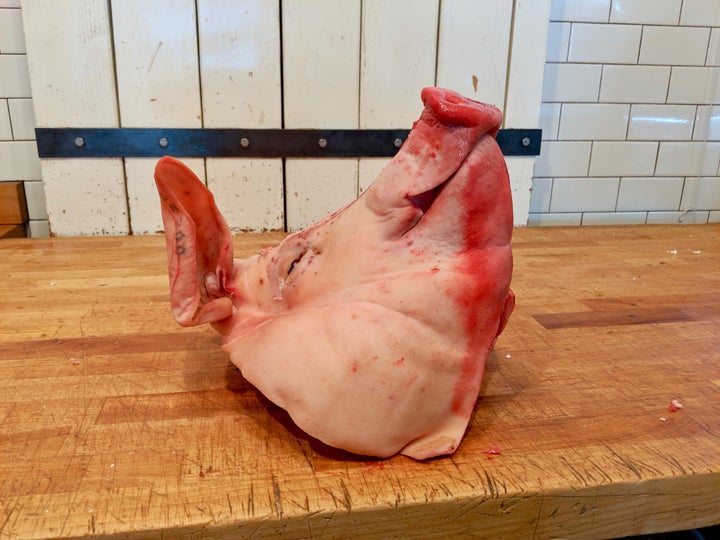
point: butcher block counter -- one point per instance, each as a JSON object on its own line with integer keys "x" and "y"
{"x": 599, "y": 414}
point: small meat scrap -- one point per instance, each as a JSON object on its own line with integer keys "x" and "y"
{"x": 493, "y": 451}
{"x": 675, "y": 406}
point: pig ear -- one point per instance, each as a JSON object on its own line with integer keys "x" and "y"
{"x": 199, "y": 246}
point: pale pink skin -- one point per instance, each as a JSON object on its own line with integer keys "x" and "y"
{"x": 376, "y": 341}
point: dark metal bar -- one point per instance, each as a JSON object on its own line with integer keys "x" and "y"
{"x": 265, "y": 143}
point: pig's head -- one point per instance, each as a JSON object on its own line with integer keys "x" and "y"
{"x": 372, "y": 326}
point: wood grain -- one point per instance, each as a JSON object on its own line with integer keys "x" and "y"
{"x": 115, "y": 421}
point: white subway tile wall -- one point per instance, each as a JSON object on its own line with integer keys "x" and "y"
{"x": 674, "y": 45}
{"x": 630, "y": 114}
{"x": 605, "y": 121}
{"x": 634, "y": 84}
{"x": 610, "y": 158}
{"x": 558, "y": 42}
{"x": 645, "y": 11}
{"x": 661, "y": 122}
{"x": 707, "y": 123}
{"x": 713, "y": 57}
{"x": 638, "y": 194}
{"x": 571, "y": 82}
{"x": 693, "y": 85}
{"x": 22, "y": 118}
{"x": 609, "y": 43}
{"x": 18, "y": 153}
{"x": 688, "y": 158}
{"x": 580, "y": 10}
{"x": 584, "y": 194}
{"x": 700, "y": 13}
{"x": 5, "y": 128}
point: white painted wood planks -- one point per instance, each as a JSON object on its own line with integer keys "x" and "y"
{"x": 524, "y": 92}
{"x": 73, "y": 85}
{"x": 239, "y": 44}
{"x": 321, "y": 55}
{"x": 399, "y": 44}
{"x": 473, "y": 48}
{"x": 156, "y": 62}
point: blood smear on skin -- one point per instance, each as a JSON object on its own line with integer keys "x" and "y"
{"x": 493, "y": 451}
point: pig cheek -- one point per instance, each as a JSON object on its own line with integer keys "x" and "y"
{"x": 389, "y": 380}
{"x": 478, "y": 302}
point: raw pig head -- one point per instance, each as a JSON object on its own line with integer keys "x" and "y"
{"x": 371, "y": 327}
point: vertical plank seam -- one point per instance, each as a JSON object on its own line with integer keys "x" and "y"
{"x": 200, "y": 83}
{"x": 282, "y": 114}
{"x": 199, "y": 67}
{"x": 509, "y": 62}
{"x": 437, "y": 40}
{"x": 359, "y": 90}
{"x": 118, "y": 118}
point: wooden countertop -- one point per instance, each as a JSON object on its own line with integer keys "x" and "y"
{"x": 114, "y": 420}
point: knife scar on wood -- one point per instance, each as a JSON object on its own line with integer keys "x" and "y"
{"x": 276, "y": 493}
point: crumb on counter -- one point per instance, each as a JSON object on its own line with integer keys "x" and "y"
{"x": 493, "y": 451}
{"x": 675, "y": 406}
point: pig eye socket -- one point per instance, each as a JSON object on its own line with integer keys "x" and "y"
{"x": 309, "y": 252}
{"x": 294, "y": 264}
